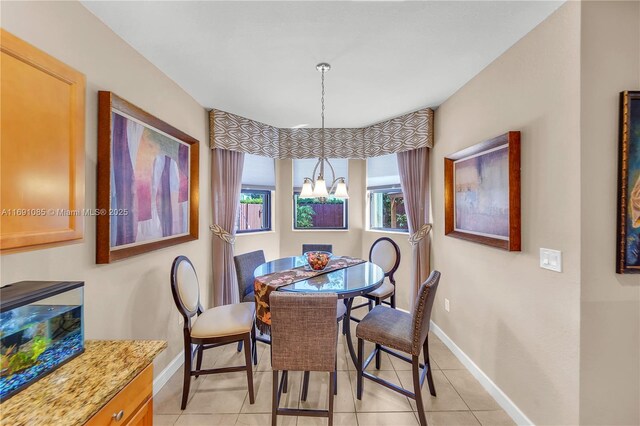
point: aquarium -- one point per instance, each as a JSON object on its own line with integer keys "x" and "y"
{"x": 41, "y": 328}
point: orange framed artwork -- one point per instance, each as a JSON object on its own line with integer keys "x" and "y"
{"x": 147, "y": 182}
{"x": 482, "y": 193}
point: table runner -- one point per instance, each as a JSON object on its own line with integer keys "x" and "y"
{"x": 265, "y": 284}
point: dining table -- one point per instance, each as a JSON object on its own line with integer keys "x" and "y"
{"x": 347, "y": 283}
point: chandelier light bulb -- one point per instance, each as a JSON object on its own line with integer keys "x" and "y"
{"x": 320, "y": 189}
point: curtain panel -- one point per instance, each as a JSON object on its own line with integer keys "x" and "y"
{"x": 226, "y": 183}
{"x": 413, "y": 167}
{"x": 404, "y": 133}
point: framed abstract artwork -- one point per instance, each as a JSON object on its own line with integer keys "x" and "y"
{"x": 147, "y": 182}
{"x": 482, "y": 192}
{"x": 628, "y": 247}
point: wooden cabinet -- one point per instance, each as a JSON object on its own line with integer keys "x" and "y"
{"x": 132, "y": 406}
{"x": 42, "y": 144}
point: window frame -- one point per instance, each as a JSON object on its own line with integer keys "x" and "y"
{"x": 384, "y": 190}
{"x": 266, "y": 210}
{"x": 296, "y": 193}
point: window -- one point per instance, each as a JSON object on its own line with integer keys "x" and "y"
{"x": 258, "y": 182}
{"x": 313, "y": 213}
{"x": 386, "y": 200}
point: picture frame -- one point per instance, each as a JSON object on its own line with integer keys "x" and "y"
{"x": 147, "y": 182}
{"x": 628, "y": 223}
{"x": 482, "y": 193}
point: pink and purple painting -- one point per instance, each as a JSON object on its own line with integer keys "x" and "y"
{"x": 149, "y": 180}
{"x": 482, "y": 193}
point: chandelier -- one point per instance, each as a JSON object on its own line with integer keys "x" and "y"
{"x": 316, "y": 186}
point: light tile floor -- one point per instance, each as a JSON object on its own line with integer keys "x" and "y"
{"x": 222, "y": 399}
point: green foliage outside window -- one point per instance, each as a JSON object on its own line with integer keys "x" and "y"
{"x": 304, "y": 216}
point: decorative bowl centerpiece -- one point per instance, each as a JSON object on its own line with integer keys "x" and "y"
{"x": 317, "y": 260}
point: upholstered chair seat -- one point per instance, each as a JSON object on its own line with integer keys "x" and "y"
{"x": 409, "y": 333}
{"x": 225, "y": 320}
{"x": 388, "y": 327}
{"x": 382, "y": 292}
{"x": 304, "y": 338}
{"x": 249, "y": 297}
{"x": 205, "y": 329}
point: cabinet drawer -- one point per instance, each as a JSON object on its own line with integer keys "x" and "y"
{"x": 128, "y": 400}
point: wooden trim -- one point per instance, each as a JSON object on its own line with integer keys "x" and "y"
{"x": 512, "y": 139}
{"x": 50, "y": 235}
{"x": 104, "y": 254}
{"x": 623, "y": 188}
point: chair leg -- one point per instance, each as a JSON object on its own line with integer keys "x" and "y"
{"x": 346, "y": 318}
{"x": 359, "y": 367}
{"x": 427, "y": 364}
{"x": 240, "y": 346}
{"x": 370, "y": 304}
{"x": 417, "y": 391}
{"x": 285, "y": 379}
{"x": 187, "y": 374}
{"x": 378, "y": 356}
{"x": 274, "y": 398}
{"x": 393, "y": 299}
{"x": 249, "y": 366}
{"x": 305, "y": 386}
{"x": 199, "y": 359}
{"x": 254, "y": 345}
{"x": 333, "y": 378}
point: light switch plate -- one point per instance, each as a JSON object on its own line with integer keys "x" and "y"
{"x": 446, "y": 304}
{"x": 551, "y": 259}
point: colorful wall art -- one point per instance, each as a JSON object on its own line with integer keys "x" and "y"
{"x": 150, "y": 193}
{"x": 482, "y": 192}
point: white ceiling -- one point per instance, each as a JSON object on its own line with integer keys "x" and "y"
{"x": 257, "y": 59}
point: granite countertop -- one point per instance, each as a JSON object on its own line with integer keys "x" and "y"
{"x": 74, "y": 392}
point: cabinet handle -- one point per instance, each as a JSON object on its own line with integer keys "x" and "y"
{"x": 118, "y": 416}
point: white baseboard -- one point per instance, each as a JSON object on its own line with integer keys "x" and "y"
{"x": 501, "y": 398}
{"x": 164, "y": 376}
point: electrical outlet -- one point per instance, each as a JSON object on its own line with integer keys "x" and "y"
{"x": 551, "y": 259}
{"x": 446, "y": 304}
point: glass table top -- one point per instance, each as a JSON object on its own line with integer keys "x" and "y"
{"x": 348, "y": 282}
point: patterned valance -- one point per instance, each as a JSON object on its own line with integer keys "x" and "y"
{"x": 404, "y": 133}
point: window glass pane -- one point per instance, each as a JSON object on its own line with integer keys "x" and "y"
{"x": 258, "y": 172}
{"x": 254, "y": 211}
{"x": 382, "y": 171}
{"x": 311, "y": 213}
{"x": 387, "y": 210}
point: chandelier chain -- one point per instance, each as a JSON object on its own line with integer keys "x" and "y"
{"x": 322, "y": 115}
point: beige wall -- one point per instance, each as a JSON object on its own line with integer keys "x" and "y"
{"x": 129, "y": 299}
{"x": 610, "y": 303}
{"x": 517, "y": 322}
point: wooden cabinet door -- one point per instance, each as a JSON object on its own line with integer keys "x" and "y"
{"x": 42, "y": 147}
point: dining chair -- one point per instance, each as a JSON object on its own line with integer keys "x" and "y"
{"x": 245, "y": 265}
{"x": 317, "y": 247}
{"x": 303, "y": 338}
{"x": 385, "y": 253}
{"x": 209, "y": 328}
{"x": 409, "y": 333}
